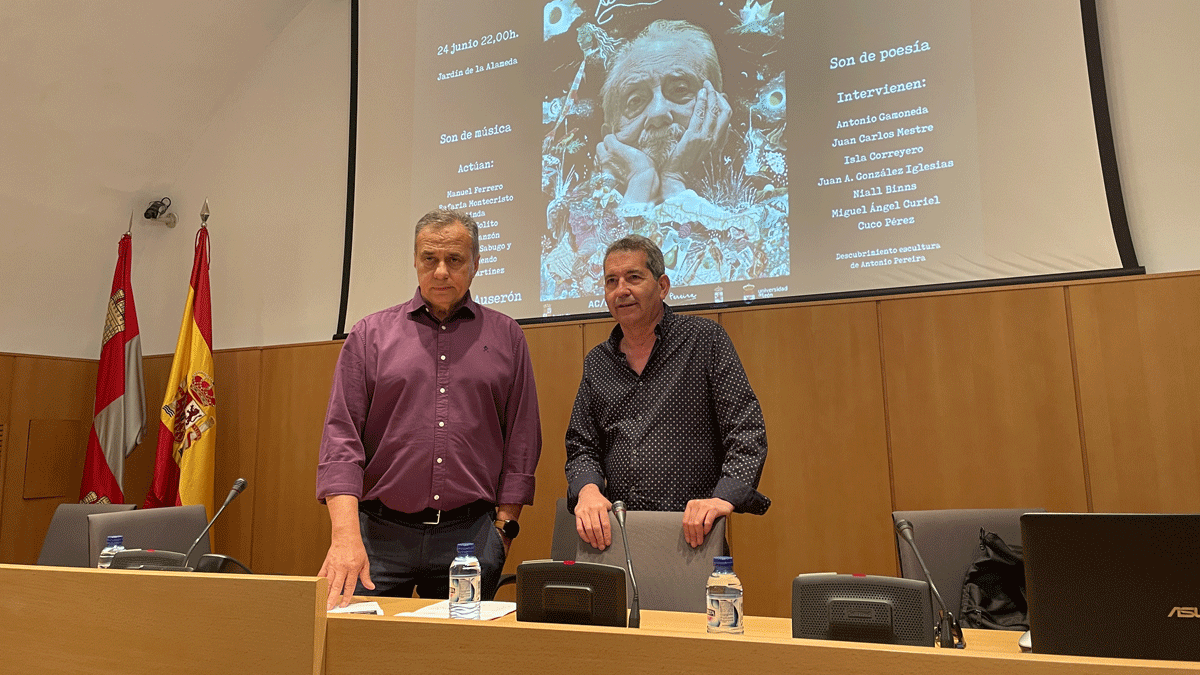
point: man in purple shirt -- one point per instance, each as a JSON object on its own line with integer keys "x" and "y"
{"x": 432, "y": 434}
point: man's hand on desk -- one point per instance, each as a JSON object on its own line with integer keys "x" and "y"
{"x": 699, "y": 516}
{"x": 346, "y": 562}
{"x": 591, "y": 517}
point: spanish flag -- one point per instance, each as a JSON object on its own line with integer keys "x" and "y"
{"x": 187, "y": 436}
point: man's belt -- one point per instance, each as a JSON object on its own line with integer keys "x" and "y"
{"x": 428, "y": 516}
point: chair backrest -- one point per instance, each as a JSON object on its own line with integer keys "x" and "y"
{"x": 949, "y": 543}
{"x": 671, "y": 574}
{"x": 66, "y": 542}
{"x": 169, "y": 528}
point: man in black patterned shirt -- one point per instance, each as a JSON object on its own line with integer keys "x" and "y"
{"x": 665, "y": 419}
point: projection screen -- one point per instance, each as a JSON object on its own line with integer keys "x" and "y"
{"x": 773, "y": 150}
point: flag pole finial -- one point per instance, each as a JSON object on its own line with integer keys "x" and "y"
{"x": 204, "y": 214}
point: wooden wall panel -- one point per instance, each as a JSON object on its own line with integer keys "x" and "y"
{"x": 291, "y": 529}
{"x": 237, "y": 380}
{"x": 43, "y": 388}
{"x": 557, "y": 366}
{"x": 594, "y": 333}
{"x": 139, "y": 465}
{"x": 982, "y": 410}
{"x": 981, "y": 401}
{"x": 6, "y": 371}
{"x": 817, "y": 374}
{"x": 54, "y": 462}
{"x": 1138, "y": 358}
{"x": 238, "y": 377}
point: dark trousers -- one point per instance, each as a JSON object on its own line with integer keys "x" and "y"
{"x": 406, "y": 557}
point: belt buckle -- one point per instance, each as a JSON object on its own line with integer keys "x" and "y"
{"x": 435, "y": 521}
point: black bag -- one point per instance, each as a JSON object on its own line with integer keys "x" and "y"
{"x": 993, "y": 593}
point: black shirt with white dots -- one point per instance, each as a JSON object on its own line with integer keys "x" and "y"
{"x": 689, "y": 427}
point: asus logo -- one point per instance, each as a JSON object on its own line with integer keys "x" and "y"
{"x": 1184, "y": 613}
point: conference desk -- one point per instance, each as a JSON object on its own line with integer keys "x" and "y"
{"x": 670, "y": 642}
{"x": 69, "y": 620}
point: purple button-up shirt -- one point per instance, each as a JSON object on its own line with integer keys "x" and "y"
{"x": 427, "y": 414}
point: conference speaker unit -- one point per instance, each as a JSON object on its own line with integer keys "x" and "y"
{"x": 862, "y": 608}
{"x": 566, "y": 591}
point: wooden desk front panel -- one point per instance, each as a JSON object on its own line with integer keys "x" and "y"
{"x": 79, "y": 621}
{"x": 669, "y": 642}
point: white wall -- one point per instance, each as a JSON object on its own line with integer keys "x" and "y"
{"x": 1150, "y": 67}
{"x": 272, "y": 163}
{"x": 100, "y": 107}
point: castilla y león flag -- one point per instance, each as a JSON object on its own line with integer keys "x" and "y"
{"x": 187, "y": 435}
{"x": 119, "y": 417}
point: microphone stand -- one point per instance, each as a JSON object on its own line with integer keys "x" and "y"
{"x": 635, "y": 614}
{"x": 238, "y": 486}
{"x": 949, "y": 633}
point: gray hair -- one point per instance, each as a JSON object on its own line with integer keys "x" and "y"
{"x": 636, "y": 242}
{"x": 660, "y": 30}
{"x": 439, "y": 218}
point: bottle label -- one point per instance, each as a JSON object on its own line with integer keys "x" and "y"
{"x": 724, "y": 613}
{"x": 465, "y": 589}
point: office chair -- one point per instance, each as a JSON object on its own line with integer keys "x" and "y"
{"x": 949, "y": 543}
{"x": 66, "y": 542}
{"x": 170, "y": 528}
{"x": 671, "y": 575}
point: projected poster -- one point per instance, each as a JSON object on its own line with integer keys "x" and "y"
{"x": 661, "y": 135}
{"x": 771, "y": 149}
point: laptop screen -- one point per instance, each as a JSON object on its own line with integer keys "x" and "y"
{"x": 1113, "y": 584}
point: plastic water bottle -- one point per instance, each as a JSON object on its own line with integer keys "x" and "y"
{"x": 724, "y": 598}
{"x": 114, "y": 543}
{"x": 465, "y": 579}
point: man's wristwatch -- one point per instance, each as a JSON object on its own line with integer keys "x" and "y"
{"x": 509, "y": 528}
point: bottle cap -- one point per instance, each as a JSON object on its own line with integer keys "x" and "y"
{"x": 466, "y": 549}
{"x": 723, "y": 563}
{"x": 115, "y": 540}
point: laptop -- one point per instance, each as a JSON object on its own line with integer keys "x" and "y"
{"x": 1113, "y": 584}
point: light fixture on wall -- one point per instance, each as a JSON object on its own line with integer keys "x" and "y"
{"x": 157, "y": 211}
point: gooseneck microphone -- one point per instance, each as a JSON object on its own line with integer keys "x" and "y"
{"x": 949, "y": 634}
{"x": 171, "y": 561}
{"x": 635, "y": 614}
{"x": 238, "y": 486}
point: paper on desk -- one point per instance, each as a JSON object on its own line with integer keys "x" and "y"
{"x": 359, "y": 608}
{"x": 488, "y": 610}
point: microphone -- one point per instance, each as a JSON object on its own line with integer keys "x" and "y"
{"x": 171, "y": 561}
{"x": 949, "y": 633}
{"x": 635, "y": 614}
{"x": 238, "y": 486}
